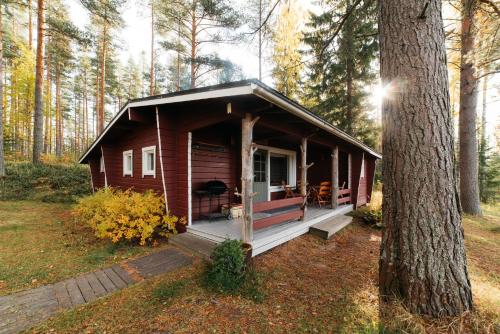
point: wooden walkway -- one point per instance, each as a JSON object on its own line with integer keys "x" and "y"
{"x": 22, "y": 310}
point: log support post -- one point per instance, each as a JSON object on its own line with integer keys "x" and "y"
{"x": 303, "y": 174}
{"x": 335, "y": 177}
{"x": 247, "y": 151}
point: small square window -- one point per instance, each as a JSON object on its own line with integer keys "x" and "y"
{"x": 127, "y": 163}
{"x": 149, "y": 161}
{"x": 101, "y": 164}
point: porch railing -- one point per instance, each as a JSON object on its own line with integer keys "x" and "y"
{"x": 296, "y": 212}
{"x": 342, "y": 198}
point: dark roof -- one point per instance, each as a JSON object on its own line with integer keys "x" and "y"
{"x": 233, "y": 84}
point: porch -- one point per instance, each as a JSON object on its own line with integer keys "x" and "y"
{"x": 267, "y": 237}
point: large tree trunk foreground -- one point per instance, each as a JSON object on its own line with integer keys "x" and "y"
{"x": 422, "y": 259}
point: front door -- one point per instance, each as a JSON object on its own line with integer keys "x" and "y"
{"x": 260, "y": 176}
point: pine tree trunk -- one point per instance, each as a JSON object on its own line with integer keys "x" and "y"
{"x": 100, "y": 119}
{"x": 30, "y": 25}
{"x": 48, "y": 89}
{"x": 422, "y": 258}
{"x": 85, "y": 111}
{"x": 483, "y": 145}
{"x": 193, "y": 49}
{"x": 152, "y": 70}
{"x": 349, "y": 41}
{"x": 59, "y": 138}
{"x": 2, "y": 161}
{"x": 38, "y": 117}
{"x": 468, "y": 157}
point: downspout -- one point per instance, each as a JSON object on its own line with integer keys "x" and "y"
{"x": 161, "y": 161}
{"x": 104, "y": 164}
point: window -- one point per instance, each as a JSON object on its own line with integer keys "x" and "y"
{"x": 127, "y": 163}
{"x": 279, "y": 169}
{"x": 149, "y": 161}
{"x": 101, "y": 164}
{"x": 259, "y": 166}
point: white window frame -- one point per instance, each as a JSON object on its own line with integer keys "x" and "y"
{"x": 125, "y": 155}
{"x": 145, "y": 151}
{"x": 292, "y": 168}
{"x": 101, "y": 164}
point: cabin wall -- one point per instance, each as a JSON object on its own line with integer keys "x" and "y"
{"x": 213, "y": 157}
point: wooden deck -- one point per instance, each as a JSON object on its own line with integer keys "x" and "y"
{"x": 265, "y": 238}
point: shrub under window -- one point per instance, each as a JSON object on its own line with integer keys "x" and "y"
{"x": 126, "y": 215}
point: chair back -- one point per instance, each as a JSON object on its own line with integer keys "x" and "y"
{"x": 325, "y": 188}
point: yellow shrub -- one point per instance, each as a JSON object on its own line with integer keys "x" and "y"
{"x": 117, "y": 215}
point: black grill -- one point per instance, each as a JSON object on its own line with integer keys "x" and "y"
{"x": 215, "y": 187}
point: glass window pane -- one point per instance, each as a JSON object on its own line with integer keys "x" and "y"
{"x": 279, "y": 170}
{"x": 151, "y": 161}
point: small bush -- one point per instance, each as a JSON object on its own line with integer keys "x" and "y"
{"x": 45, "y": 182}
{"x": 125, "y": 215}
{"x": 226, "y": 273}
{"x": 372, "y": 217}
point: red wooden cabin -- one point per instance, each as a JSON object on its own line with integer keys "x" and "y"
{"x": 175, "y": 143}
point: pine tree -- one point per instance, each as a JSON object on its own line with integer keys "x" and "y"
{"x": 287, "y": 55}
{"x": 344, "y": 45}
{"x": 190, "y": 24}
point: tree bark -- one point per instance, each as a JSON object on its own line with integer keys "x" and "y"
{"x": 2, "y": 158}
{"x": 422, "y": 258}
{"x": 247, "y": 125}
{"x": 30, "y": 25}
{"x": 349, "y": 41}
{"x": 152, "y": 70}
{"x": 468, "y": 156}
{"x": 48, "y": 111}
{"x": 59, "y": 139}
{"x": 38, "y": 117}
{"x": 100, "y": 118}
{"x": 193, "y": 49}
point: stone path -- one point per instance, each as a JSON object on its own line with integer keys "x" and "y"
{"x": 22, "y": 310}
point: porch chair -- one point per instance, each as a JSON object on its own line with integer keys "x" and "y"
{"x": 325, "y": 193}
{"x": 289, "y": 193}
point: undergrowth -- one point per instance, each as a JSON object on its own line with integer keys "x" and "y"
{"x": 55, "y": 183}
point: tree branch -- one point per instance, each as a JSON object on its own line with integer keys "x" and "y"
{"x": 492, "y": 5}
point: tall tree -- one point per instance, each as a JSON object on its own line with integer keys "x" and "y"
{"x": 422, "y": 257}
{"x": 152, "y": 67}
{"x": 197, "y": 23}
{"x": 469, "y": 186}
{"x": 106, "y": 15}
{"x": 2, "y": 155}
{"x": 38, "y": 116}
{"x": 344, "y": 46}
{"x": 477, "y": 54}
{"x": 287, "y": 55}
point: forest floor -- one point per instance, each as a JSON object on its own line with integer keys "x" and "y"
{"x": 307, "y": 285}
{"x": 40, "y": 244}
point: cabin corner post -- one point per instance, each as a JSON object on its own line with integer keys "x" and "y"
{"x": 303, "y": 175}
{"x": 247, "y": 151}
{"x": 335, "y": 177}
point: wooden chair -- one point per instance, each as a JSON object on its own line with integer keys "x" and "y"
{"x": 324, "y": 193}
{"x": 289, "y": 193}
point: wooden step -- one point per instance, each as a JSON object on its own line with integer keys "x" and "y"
{"x": 194, "y": 244}
{"x": 329, "y": 227}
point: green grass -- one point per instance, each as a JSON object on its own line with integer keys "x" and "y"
{"x": 40, "y": 244}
